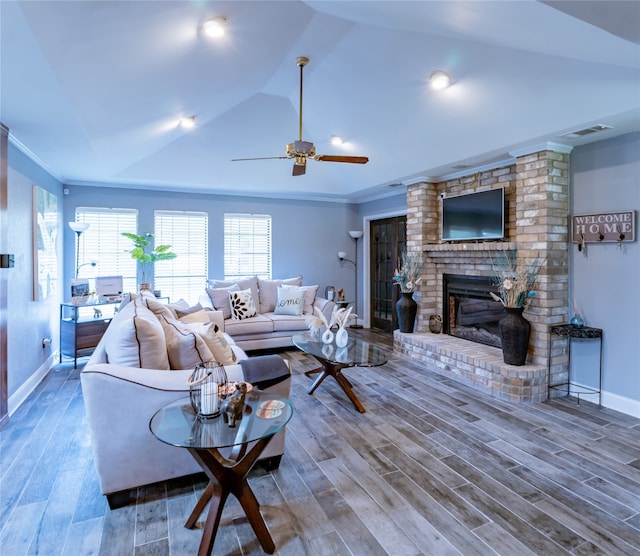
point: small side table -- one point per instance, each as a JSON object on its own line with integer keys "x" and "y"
{"x": 571, "y": 332}
{"x": 226, "y": 455}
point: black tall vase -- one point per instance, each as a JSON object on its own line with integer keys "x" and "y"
{"x": 514, "y": 335}
{"x": 406, "y": 308}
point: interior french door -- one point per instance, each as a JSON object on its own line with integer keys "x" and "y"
{"x": 388, "y": 239}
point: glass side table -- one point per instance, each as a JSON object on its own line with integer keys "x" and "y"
{"x": 226, "y": 454}
{"x": 569, "y": 386}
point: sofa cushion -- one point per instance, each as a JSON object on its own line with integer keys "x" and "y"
{"x": 288, "y": 322}
{"x": 200, "y": 316}
{"x": 290, "y": 301}
{"x": 244, "y": 284}
{"x": 260, "y": 324}
{"x": 135, "y": 338}
{"x": 242, "y": 305}
{"x": 220, "y": 298}
{"x": 268, "y": 292}
{"x": 185, "y": 347}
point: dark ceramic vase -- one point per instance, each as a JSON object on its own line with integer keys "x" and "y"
{"x": 514, "y": 335}
{"x": 406, "y": 309}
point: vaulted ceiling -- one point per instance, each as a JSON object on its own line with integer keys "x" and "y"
{"x": 92, "y": 90}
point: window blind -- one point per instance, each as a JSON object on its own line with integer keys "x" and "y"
{"x": 247, "y": 246}
{"x": 103, "y": 243}
{"x": 187, "y": 232}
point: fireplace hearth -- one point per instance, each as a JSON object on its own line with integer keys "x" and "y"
{"x": 470, "y": 312}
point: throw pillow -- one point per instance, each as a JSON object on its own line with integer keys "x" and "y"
{"x": 310, "y": 293}
{"x": 220, "y": 298}
{"x": 268, "y": 292}
{"x": 135, "y": 339}
{"x": 183, "y": 311}
{"x": 215, "y": 340}
{"x": 244, "y": 284}
{"x": 290, "y": 301}
{"x": 185, "y": 347}
{"x": 242, "y": 305}
{"x": 197, "y": 316}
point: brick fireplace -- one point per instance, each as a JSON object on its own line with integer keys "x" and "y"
{"x": 536, "y": 227}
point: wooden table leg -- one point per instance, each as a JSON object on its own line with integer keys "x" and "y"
{"x": 335, "y": 370}
{"x": 226, "y": 477}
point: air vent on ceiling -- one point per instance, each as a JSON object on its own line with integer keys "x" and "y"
{"x": 586, "y": 131}
{"x": 461, "y": 166}
{"x": 397, "y": 184}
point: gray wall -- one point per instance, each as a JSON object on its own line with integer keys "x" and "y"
{"x": 28, "y": 321}
{"x": 605, "y": 177}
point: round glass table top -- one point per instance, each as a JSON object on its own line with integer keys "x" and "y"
{"x": 357, "y": 353}
{"x": 264, "y": 415}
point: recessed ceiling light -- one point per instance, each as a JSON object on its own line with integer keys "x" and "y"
{"x": 337, "y": 140}
{"x": 215, "y": 27}
{"x": 188, "y": 122}
{"x": 439, "y": 80}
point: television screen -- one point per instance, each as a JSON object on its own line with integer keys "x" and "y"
{"x": 477, "y": 216}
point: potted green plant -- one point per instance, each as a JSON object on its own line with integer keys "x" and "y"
{"x": 146, "y": 257}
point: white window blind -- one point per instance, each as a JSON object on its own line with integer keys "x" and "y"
{"x": 187, "y": 233}
{"x": 103, "y": 243}
{"x": 247, "y": 246}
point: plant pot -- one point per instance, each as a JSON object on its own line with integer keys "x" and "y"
{"x": 514, "y": 336}
{"x": 144, "y": 287}
{"x": 406, "y": 308}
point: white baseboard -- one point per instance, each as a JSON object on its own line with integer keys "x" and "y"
{"x": 621, "y": 404}
{"x": 29, "y": 385}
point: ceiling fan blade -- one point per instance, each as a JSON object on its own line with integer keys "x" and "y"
{"x": 261, "y": 158}
{"x": 338, "y": 158}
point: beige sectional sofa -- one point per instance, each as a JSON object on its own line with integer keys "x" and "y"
{"x": 142, "y": 364}
{"x": 274, "y": 312}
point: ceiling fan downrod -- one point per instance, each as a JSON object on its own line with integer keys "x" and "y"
{"x": 302, "y": 61}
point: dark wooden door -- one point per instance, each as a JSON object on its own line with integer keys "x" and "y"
{"x": 388, "y": 239}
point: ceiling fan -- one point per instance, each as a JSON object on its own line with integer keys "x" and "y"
{"x": 301, "y": 150}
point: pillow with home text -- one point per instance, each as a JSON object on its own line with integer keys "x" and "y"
{"x": 290, "y": 301}
{"x": 242, "y": 305}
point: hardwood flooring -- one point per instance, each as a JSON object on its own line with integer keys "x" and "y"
{"x": 432, "y": 467}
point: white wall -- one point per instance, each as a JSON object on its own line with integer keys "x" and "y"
{"x": 605, "y": 177}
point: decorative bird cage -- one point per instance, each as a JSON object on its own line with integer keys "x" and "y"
{"x": 207, "y": 386}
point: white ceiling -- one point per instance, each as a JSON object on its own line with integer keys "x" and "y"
{"x": 92, "y": 89}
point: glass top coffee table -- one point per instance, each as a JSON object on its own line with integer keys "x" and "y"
{"x": 357, "y": 353}
{"x": 264, "y": 415}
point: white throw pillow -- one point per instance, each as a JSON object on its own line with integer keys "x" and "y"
{"x": 135, "y": 339}
{"x": 268, "y": 292}
{"x": 197, "y": 316}
{"x": 244, "y": 284}
{"x": 242, "y": 305}
{"x": 220, "y": 299}
{"x": 185, "y": 348}
{"x": 310, "y": 293}
{"x": 290, "y": 301}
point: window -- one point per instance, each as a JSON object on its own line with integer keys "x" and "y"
{"x": 104, "y": 244}
{"x": 187, "y": 232}
{"x": 247, "y": 246}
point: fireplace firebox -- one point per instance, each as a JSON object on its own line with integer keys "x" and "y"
{"x": 469, "y": 310}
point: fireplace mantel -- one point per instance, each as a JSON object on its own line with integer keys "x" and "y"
{"x": 433, "y": 249}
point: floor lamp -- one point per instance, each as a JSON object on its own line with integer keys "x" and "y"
{"x": 78, "y": 228}
{"x": 355, "y": 234}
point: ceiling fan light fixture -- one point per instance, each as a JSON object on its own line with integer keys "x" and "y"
{"x": 439, "y": 80}
{"x": 336, "y": 140}
{"x": 188, "y": 122}
{"x": 215, "y": 27}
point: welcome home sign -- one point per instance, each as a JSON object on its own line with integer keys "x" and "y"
{"x": 603, "y": 227}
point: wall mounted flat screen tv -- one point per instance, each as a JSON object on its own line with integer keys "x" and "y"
{"x": 473, "y": 216}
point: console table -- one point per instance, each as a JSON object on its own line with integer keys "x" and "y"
{"x": 82, "y": 327}
{"x": 572, "y": 332}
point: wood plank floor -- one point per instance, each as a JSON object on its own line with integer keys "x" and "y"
{"x": 432, "y": 467}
